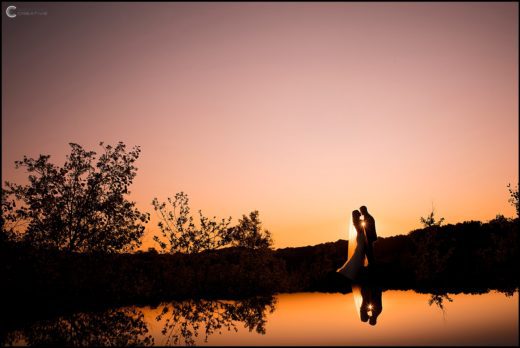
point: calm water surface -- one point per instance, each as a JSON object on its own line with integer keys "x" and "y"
{"x": 407, "y": 318}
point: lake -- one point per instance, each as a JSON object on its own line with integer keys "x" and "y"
{"x": 406, "y": 317}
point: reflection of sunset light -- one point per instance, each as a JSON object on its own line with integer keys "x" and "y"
{"x": 358, "y": 298}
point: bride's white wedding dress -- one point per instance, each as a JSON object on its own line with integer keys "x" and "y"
{"x": 356, "y": 254}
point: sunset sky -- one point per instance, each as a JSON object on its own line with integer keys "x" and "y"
{"x": 303, "y": 111}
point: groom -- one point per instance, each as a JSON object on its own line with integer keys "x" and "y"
{"x": 370, "y": 232}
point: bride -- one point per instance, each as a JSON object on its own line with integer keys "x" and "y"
{"x": 356, "y": 249}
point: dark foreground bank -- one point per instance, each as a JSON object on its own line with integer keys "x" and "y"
{"x": 462, "y": 255}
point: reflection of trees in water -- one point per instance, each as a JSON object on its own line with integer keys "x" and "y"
{"x": 509, "y": 292}
{"x": 185, "y": 319}
{"x": 127, "y": 327}
{"x": 438, "y": 300}
{"x": 115, "y": 327}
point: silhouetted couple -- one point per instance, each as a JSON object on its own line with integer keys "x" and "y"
{"x": 361, "y": 245}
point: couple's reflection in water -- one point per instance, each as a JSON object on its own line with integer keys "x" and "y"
{"x": 182, "y": 322}
{"x": 368, "y": 301}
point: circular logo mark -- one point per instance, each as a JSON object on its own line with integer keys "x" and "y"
{"x": 9, "y": 11}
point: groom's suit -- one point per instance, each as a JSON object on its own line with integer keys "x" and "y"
{"x": 371, "y": 235}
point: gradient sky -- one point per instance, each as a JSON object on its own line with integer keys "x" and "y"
{"x": 303, "y": 111}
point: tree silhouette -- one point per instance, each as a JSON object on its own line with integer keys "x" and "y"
{"x": 180, "y": 233}
{"x": 80, "y": 206}
{"x": 514, "y": 198}
{"x": 430, "y": 221}
{"x": 248, "y": 233}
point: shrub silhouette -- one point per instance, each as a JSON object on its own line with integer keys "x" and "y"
{"x": 180, "y": 233}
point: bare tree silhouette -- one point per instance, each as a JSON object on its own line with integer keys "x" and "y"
{"x": 181, "y": 233}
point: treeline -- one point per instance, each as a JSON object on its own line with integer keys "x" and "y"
{"x": 466, "y": 254}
